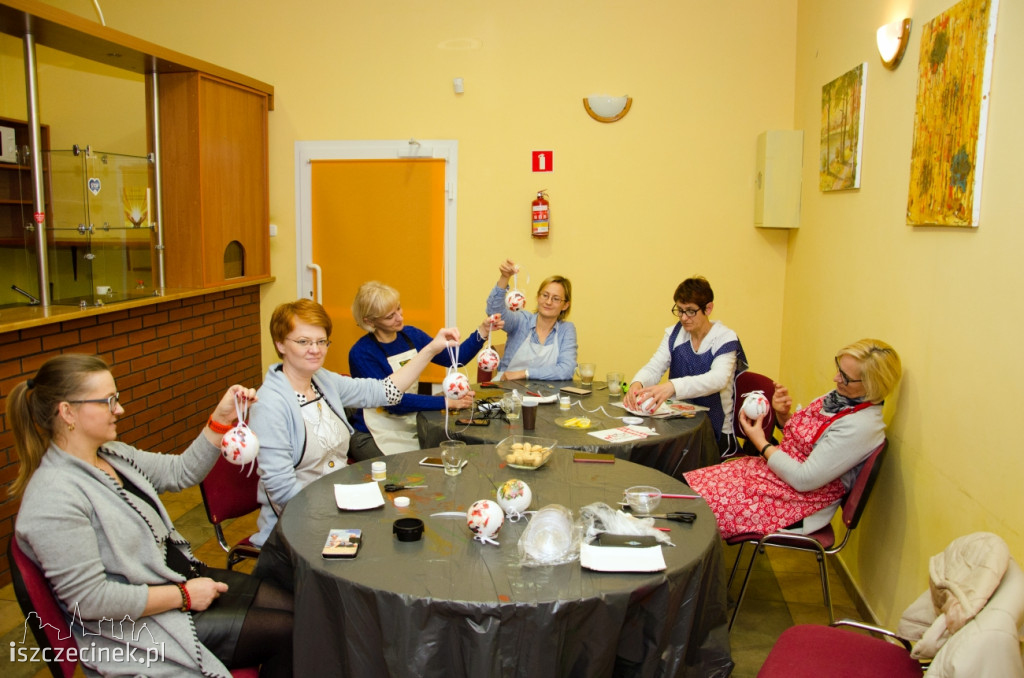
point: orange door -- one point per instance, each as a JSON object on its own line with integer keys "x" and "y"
{"x": 379, "y": 219}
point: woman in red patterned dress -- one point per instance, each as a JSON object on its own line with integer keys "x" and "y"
{"x": 797, "y": 484}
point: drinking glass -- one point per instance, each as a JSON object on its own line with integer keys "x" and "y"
{"x": 587, "y": 371}
{"x": 614, "y": 385}
{"x": 453, "y": 452}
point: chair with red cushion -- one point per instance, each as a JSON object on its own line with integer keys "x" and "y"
{"x": 822, "y": 542}
{"x": 812, "y": 651}
{"x": 745, "y": 383}
{"x": 229, "y": 491}
{"x": 50, "y": 629}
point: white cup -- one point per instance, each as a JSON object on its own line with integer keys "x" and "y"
{"x": 379, "y": 470}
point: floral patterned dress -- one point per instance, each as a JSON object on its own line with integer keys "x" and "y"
{"x": 747, "y": 497}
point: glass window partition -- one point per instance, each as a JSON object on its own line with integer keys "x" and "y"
{"x": 100, "y": 238}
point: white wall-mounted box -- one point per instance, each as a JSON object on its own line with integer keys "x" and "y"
{"x": 777, "y": 184}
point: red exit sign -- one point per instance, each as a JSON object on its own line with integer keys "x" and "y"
{"x": 543, "y": 161}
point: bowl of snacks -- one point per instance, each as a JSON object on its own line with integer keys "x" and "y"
{"x": 525, "y": 452}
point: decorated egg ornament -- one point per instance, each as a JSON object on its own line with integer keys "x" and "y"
{"x": 515, "y": 300}
{"x": 240, "y": 445}
{"x": 514, "y": 497}
{"x": 755, "y": 404}
{"x": 485, "y": 519}
{"x": 488, "y": 360}
{"x": 455, "y": 385}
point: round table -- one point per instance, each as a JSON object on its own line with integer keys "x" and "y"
{"x": 451, "y": 606}
{"x": 681, "y": 444}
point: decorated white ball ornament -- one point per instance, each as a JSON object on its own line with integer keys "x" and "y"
{"x": 755, "y": 404}
{"x": 514, "y": 496}
{"x": 515, "y": 300}
{"x": 488, "y": 360}
{"x": 455, "y": 386}
{"x": 239, "y": 445}
{"x": 648, "y": 406}
{"x": 485, "y": 518}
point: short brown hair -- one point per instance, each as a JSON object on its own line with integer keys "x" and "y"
{"x": 306, "y": 310}
{"x": 696, "y": 290}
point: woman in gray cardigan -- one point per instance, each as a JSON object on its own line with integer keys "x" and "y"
{"x": 91, "y": 518}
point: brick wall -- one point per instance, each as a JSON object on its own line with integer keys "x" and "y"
{"x": 172, "y": 362}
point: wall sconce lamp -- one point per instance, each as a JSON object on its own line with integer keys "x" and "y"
{"x": 892, "y": 42}
{"x": 607, "y": 109}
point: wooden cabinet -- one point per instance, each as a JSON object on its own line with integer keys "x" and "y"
{"x": 16, "y": 192}
{"x": 213, "y": 145}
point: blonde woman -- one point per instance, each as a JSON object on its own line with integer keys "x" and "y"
{"x": 797, "y": 484}
{"x": 540, "y": 345}
{"x": 388, "y": 344}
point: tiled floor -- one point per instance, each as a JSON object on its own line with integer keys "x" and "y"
{"x": 785, "y": 590}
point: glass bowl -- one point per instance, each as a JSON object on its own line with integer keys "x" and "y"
{"x": 643, "y": 499}
{"x": 513, "y": 451}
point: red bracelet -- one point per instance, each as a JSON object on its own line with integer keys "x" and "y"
{"x": 186, "y": 600}
{"x": 218, "y": 427}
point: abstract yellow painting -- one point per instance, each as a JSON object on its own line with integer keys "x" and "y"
{"x": 954, "y": 76}
{"x": 842, "y": 131}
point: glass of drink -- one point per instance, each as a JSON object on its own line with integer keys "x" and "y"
{"x": 614, "y": 385}
{"x": 587, "y": 371}
{"x": 453, "y": 453}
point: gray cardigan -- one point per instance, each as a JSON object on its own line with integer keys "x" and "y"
{"x": 101, "y": 547}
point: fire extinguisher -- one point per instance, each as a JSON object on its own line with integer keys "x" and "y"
{"x": 541, "y": 216}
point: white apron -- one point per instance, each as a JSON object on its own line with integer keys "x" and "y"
{"x": 531, "y": 355}
{"x": 393, "y": 433}
{"x": 327, "y": 440}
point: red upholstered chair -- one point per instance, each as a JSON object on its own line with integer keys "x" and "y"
{"x": 820, "y": 543}
{"x": 43, "y": 615}
{"x": 811, "y": 651}
{"x": 745, "y": 383}
{"x": 230, "y": 492}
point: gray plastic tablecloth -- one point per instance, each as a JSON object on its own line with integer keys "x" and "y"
{"x": 681, "y": 444}
{"x": 451, "y": 606}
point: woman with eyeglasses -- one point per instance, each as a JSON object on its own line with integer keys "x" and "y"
{"x": 540, "y": 345}
{"x": 798, "y": 484}
{"x": 300, "y": 417}
{"x": 388, "y": 344}
{"x": 92, "y": 520}
{"x": 702, "y": 358}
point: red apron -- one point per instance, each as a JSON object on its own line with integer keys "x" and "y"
{"x": 745, "y": 494}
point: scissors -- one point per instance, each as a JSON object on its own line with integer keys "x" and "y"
{"x": 392, "y": 487}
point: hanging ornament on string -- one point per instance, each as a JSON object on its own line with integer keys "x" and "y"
{"x": 489, "y": 359}
{"x": 515, "y": 300}
{"x": 455, "y": 384}
{"x": 240, "y": 445}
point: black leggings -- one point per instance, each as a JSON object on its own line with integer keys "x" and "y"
{"x": 250, "y": 625}
{"x": 266, "y": 637}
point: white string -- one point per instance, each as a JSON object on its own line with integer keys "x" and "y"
{"x": 485, "y": 540}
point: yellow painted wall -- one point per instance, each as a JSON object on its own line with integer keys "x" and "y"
{"x": 636, "y": 206}
{"x": 946, "y": 299}
{"x": 668, "y": 192}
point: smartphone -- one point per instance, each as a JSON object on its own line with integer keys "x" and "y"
{"x": 574, "y": 390}
{"x": 342, "y": 544}
{"x": 432, "y": 461}
{"x": 630, "y": 540}
{"x": 597, "y": 457}
{"x": 473, "y": 422}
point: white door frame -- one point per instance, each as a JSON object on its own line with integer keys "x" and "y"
{"x": 307, "y": 272}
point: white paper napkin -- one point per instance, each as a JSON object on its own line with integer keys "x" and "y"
{"x": 358, "y": 497}
{"x": 622, "y": 558}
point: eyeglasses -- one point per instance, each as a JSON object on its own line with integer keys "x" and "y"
{"x": 688, "y": 312}
{"x": 845, "y": 377}
{"x": 552, "y": 298}
{"x": 110, "y": 401}
{"x": 307, "y": 343}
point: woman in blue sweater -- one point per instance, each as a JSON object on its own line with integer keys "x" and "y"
{"x": 387, "y": 346}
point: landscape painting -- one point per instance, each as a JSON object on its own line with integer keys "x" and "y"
{"x": 842, "y": 130}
